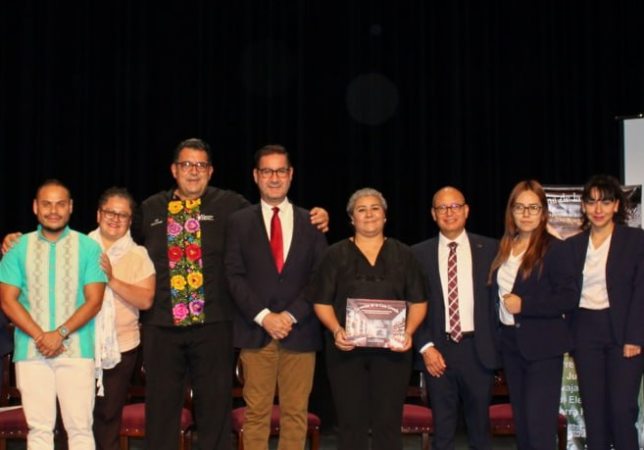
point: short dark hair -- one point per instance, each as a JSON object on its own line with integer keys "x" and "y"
{"x": 116, "y": 191}
{"x": 608, "y": 188}
{"x": 193, "y": 143}
{"x": 271, "y": 149}
{"x": 53, "y": 182}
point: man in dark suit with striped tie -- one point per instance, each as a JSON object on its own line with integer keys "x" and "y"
{"x": 457, "y": 339}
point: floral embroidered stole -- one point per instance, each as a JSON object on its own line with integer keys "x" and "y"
{"x": 186, "y": 266}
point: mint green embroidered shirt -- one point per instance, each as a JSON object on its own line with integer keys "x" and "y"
{"x": 51, "y": 277}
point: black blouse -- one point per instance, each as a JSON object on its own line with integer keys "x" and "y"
{"x": 346, "y": 273}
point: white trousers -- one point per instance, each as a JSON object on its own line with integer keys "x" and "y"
{"x": 72, "y": 381}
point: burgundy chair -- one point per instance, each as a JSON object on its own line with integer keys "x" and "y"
{"x": 133, "y": 415}
{"x": 417, "y": 416}
{"x": 239, "y": 417}
{"x": 133, "y": 426}
{"x": 13, "y": 424}
{"x": 502, "y": 420}
{"x": 313, "y": 430}
{"x": 12, "y": 421}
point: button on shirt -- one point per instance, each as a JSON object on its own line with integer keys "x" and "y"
{"x": 465, "y": 282}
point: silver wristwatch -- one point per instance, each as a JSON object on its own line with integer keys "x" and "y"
{"x": 63, "y": 331}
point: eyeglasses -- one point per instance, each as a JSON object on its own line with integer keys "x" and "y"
{"x": 282, "y": 172}
{"x": 441, "y": 210}
{"x": 533, "y": 209}
{"x": 114, "y": 215}
{"x": 185, "y": 166}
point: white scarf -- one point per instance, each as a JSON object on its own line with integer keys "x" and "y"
{"x": 106, "y": 348}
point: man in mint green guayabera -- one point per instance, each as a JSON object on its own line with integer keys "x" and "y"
{"x": 51, "y": 287}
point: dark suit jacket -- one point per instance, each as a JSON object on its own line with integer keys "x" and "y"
{"x": 624, "y": 280}
{"x": 548, "y": 297}
{"x": 255, "y": 284}
{"x": 485, "y": 316}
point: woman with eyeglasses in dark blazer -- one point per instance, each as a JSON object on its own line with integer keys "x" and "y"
{"x": 534, "y": 294}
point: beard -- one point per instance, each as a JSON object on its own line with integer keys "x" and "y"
{"x": 57, "y": 229}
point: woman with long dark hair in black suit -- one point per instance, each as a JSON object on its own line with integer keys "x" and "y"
{"x": 529, "y": 277}
{"x": 608, "y": 326}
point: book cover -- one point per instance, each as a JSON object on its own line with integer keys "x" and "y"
{"x": 375, "y": 322}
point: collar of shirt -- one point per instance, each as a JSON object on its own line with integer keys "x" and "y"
{"x": 286, "y": 208}
{"x": 61, "y": 236}
{"x": 461, "y": 239}
{"x": 286, "y": 219}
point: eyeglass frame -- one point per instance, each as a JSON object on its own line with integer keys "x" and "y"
{"x": 186, "y": 166}
{"x": 115, "y": 215}
{"x": 455, "y": 208}
{"x": 533, "y": 209}
{"x": 267, "y": 172}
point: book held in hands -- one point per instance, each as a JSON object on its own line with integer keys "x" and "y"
{"x": 375, "y": 322}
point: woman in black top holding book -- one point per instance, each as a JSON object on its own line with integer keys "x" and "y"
{"x": 368, "y": 384}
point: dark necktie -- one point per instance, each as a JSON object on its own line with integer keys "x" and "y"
{"x": 277, "y": 243}
{"x": 452, "y": 294}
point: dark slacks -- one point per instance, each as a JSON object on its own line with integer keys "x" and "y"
{"x": 108, "y": 409}
{"x": 369, "y": 388}
{"x": 202, "y": 355}
{"x": 608, "y": 383}
{"x": 535, "y": 391}
{"x": 465, "y": 381}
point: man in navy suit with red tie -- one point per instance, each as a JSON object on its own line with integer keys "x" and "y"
{"x": 271, "y": 252}
{"x": 457, "y": 339}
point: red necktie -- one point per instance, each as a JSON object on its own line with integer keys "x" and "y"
{"x": 277, "y": 244}
{"x": 452, "y": 294}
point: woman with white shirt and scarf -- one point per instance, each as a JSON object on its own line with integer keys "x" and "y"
{"x": 608, "y": 326}
{"x": 130, "y": 288}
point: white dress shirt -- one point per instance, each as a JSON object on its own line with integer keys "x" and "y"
{"x": 286, "y": 218}
{"x": 505, "y": 278}
{"x": 464, "y": 277}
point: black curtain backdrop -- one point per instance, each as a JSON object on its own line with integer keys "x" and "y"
{"x": 403, "y": 96}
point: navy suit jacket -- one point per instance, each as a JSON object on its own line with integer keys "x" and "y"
{"x": 485, "y": 316}
{"x": 624, "y": 280}
{"x": 255, "y": 283}
{"x": 548, "y": 297}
